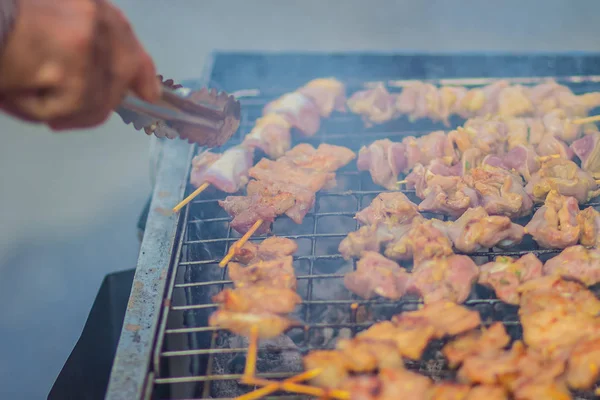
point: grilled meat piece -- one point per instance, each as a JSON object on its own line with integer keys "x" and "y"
{"x": 551, "y": 146}
{"x": 476, "y": 230}
{"x": 491, "y": 368}
{"x": 299, "y": 110}
{"x": 384, "y": 160}
{"x": 576, "y": 262}
{"x": 588, "y": 150}
{"x": 302, "y": 198}
{"x": 227, "y": 172}
{"x": 246, "y": 210}
{"x": 261, "y": 299}
{"x": 375, "y": 106}
{"x": 485, "y": 134}
{"x": 490, "y": 340}
{"x": 513, "y": 101}
{"x": 558, "y": 124}
{"x": 583, "y": 367}
{"x": 282, "y": 172}
{"x": 410, "y": 337}
{"x": 369, "y": 354}
{"x": 271, "y": 134}
{"x": 394, "y": 207}
{"x": 277, "y": 273}
{"x": 371, "y": 238}
{"x": 328, "y": 94}
{"x": 269, "y": 325}
{"x": 487, "y": 392}
{"x": 589, "y": 223}
{"x": 334, "y": 366}
{"x": 543, "y": 390}
{"x": 362, "y": 387}
{"x": 377, "y": 275}
{"x": 555, "y": 225}
{"x": 433, "y": 146}
{"x": 422, "y": 242}
{"x": 403, "y": 384}
{"x": 556, "y": 314}
{"x": 447, "y": 318}
{"x": 269, "y": 249}
{"x": 420, "y": 177}
{"x": 506, "y": 274}
{"x": 565, "y": 177}
{"x": 448, "y": 279}
{"x": 448, "y": 391}
{"x": 500, "y": 192}
{"x": 325, "y": 158}
{"x": 448, "y": 195}
{"x": 522, "y": 159}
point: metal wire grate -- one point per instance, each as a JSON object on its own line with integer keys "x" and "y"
{"x": 192, "y": 360}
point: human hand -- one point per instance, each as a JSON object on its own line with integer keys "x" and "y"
{"x": 69, "y": 63}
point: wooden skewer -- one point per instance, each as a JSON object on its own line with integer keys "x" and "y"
{"x": 250, "y": 367}
{"x": 586, "y": 120}
{"x": 304, "y": 389}
{"x": 191, "y": 197}
{"x": 240, "y": 243}
{"x": 401, "y": 182}
{"x": 274, "y": 386}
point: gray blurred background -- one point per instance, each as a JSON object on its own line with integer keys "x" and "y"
{"x": 70, "y": 202}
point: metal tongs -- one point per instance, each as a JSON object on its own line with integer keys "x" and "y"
{"x": 205, "y": 117}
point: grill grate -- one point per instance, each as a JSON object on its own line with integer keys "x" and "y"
{"x": 192, "y": 360}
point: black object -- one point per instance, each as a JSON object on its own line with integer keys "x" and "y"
{"x": 85, "y": 373}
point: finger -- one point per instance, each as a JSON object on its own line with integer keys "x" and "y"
{"x": 146, "y": 85}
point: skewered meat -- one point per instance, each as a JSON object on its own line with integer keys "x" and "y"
{"x": 448, "y": 195}
{"x": 449, "y": 279}
{"x": 500, "y": 192}
{"x": 558, "y": 124}
{"x": 522, "y": 159}
{"x": 588, "y": 150}
{"x": 447, "y": 318}
{"x": 302, "y": 198}
{"x": 410, "y": 338}
{"x": 269, "y": 325}
{"x": 370, "y": 238}
{"x": 375, "y": 106}
{"x": 513, "y": 101}
{"x": 283, "y": 172}
{"x": 556, "y": 314}
{"x": 277, "y": 273}
{"x": 299, "y": 110}
{"x": 269, "y": 249}
{"x": 325, "y": 158}
{"x": 368, "y": 355}
{"x": 422, "y": 242}
{"x": 555, "y": 225}
{"x": 492, "y": 367}
{"x": 362, "y": 387}
{"x": 476, "y": 230}
{"x": 490, "y": 340}
{"x": 258, "y": 299}
{"x": 433, "y": 146}
{"x": 271, "y": 134}
{"x": 334, "y": 366}
{"x": 576, "y": 262}
{"x": 583, "y": 367}
{"x": 506, "y": 274}
{"x": 246, "y": 210}
{"x": 403, "y": 384}
{"x": 377, "y": 275}
{"x": 589, "y": 223}
{"x": 420, "y": 177}
{"x": 485, "y": 134}
{"x": 328, "y": 94}
{"x": 487, "y": 392}
{"x": 384, "y": 160}
{"x": 551, "y": 146}
{"x": 448, "y": 391}
{"x": 394, "y": 206}
{"x": 227, "y": 172}
{"x": 565, "y": 177}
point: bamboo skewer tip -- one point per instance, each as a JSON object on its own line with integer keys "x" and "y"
{"x": 586, "y": 120}
{"x": 191, "y": 197}
{"x": 237, "y": 245}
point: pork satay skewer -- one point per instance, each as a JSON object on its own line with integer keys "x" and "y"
{"x": 238, "y": 245}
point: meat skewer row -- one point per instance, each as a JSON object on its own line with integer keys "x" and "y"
{"x": 302, "y": 110}
{"x": 285, "y": 186}
{"x": 424, "y": 100}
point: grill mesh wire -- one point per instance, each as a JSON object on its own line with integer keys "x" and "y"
{"x": 192, "y": 360}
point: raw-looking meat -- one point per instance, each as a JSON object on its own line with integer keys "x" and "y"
{"x": 384, "y": 160}
{"x": 299, "y": 110}
{"x": 576, "y": 262}
{"x": 588, "y": 150}
{"x": 394, "y": 207}
{"x": 271, "y": 134}
{"x": 375, "y": 106}
{"x": 377, "y": 275}
{"x": 589, "y": 223}
{"x": 555, "y": 225}
{"x": 448, "y": 279}
{"x": 328, "y": 94}
{"x": 227, "y": 172}
{"x": 506, "y": 274}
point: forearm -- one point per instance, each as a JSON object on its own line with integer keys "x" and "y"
{"x": 8, "y": 14}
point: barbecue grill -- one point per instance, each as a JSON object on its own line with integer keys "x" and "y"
{"x": 167, "y": 350}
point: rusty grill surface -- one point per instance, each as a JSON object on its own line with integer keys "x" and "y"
{"x": 192, "y": 360}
